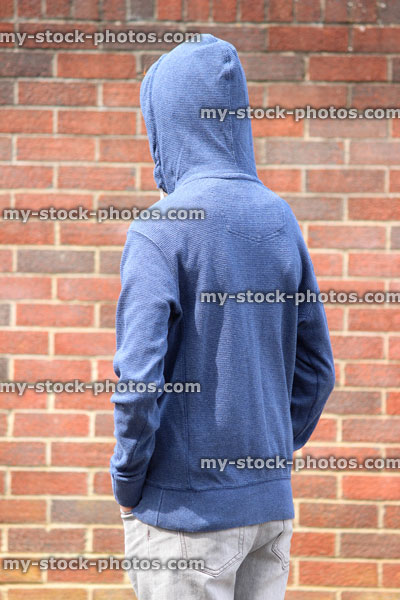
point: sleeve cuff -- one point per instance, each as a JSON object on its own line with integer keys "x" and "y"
{"x": 127, "y": 492}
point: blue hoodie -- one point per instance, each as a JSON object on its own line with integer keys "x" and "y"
{"x": 265, "y": 369}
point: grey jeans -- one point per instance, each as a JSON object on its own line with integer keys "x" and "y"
{"x": 231, "y": 564}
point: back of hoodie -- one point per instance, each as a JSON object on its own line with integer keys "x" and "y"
{"x": 212, "y": 301}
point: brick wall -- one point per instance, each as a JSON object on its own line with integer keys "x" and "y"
{"x": 72, "y": 134}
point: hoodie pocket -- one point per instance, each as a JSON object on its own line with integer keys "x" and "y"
{"x": 215, "y": 551}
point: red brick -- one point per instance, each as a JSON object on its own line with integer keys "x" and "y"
{"x": 25, "y": 177}
{"x": 376, "y": 39}
{"x": 371, "y": 430}
{"x": 25, "y": 287}
{"x": 93, "y": 288}
{"x": 348, "y": 68}
{"x": 345, "y": 180}
{"x": 55, "y": 261}
{"x": 87, "y": 10}
{"x": 104, "y": 425}
{"x": 393, "y": 403}
{"x": 169, "y": 10}
{"x": 287, "y": 127}
{"x": 44, "y": 200}
{"x": 395, "y": 128}
{"x": 308, "y": 39}
{"x": 279, "y": 11}
{"x": 42, "y": 593}
{"x": 353, "y": 347}
{"x": 97, "y": 178}
{"x": 291, "y": 95}
{"x": 372, "y": 375}
{"x": 109, "y": 263}
{"x": 29, "y": 8}
{"x": 26, "y": 64}
{"x": 58, "y": 8}
{"x": 302, "y": 152}
{"x": 6, "y": 9}
{"x": 136, "y": 150}
{"x": 391, "y": 575}
{"x": 105, "y": 370}
{"x": 14, "y": 120}
{"x": 311, "y": 209}
{"x": 96, "y": 66}
{"x": 346, "y": 236}
{"x": 105, "y": 512}
{"x": 383, "y": 95}
{"x": 39, "y": 540}
{"x": 94, "y": 234}
{"x": 22, "y": 511}
{"x": 383, "y": 265}
{"x": 85, "y": 344}
{"x": 374, "y": 209}
{"x": 61, "y": 370}
{"x": 22, "y": 453}
{"x": 364, "y": 11}
{"x": 392, "y": 517}
{"x": 308, "y": 10}
{"x": 54, "y": 483}
{"x": 5, "y": 148}
{"x": 394, "y": 348}
{"x": 327, "y": 263}
{"x": 17, "y": 232}
{"x": 252, "y": 10}
{"x": 53, "y": 425}
{"x": 395, "y": 180}
{"x": 345, "y": 128}
{"x": 224, "y": 10}
{"x": 396, "y": 69}
{"x": 371, "y": 487}
{"x": 65, "y": 400}
{"x": 281, "y": 180}
{"x": 247, "y": 38}
{"x": 375, "y": 153}
{"x": 308, "y": 595}
{"x": 24, "y": 342}
{"x": 62, "y": 149}
{"x": 55, "y": 315}
{"x": 338, "y": 515}
{"x": 107, "y": 540}
{"x": 6, "y": 91}
{"x": 6, "y": 261}
{"x": 390, "y": 11}
{"x": 273, "y": 67}
{"x": 90, "y": 122}
{"x": 314, "y": 486}
{"x": 107, "y": 315}
{"x": 114, "y": 10}
{"x": 326, "y": 430}
{"x": 81, "y": 454}
{"x": 338, "y": 574}
{"x": 121, "y": 94}
{"x": 312, "y": 544}
{"x": 335, "y": 318}
{"x": 102, "y": 483}
{"x": 374, "y": 319}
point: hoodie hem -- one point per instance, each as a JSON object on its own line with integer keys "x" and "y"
{"x": 216, "y": 509}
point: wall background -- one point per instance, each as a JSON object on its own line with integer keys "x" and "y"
{"x": 72, "y": 135}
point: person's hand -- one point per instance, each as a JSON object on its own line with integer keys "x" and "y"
{"x": 125, "y": 508}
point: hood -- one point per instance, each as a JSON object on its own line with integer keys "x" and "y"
{"x": 196, "y": 75}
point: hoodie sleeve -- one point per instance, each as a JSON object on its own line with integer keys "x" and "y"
{"x": 147, "y": 301}
{"x": 314, "y": 375}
